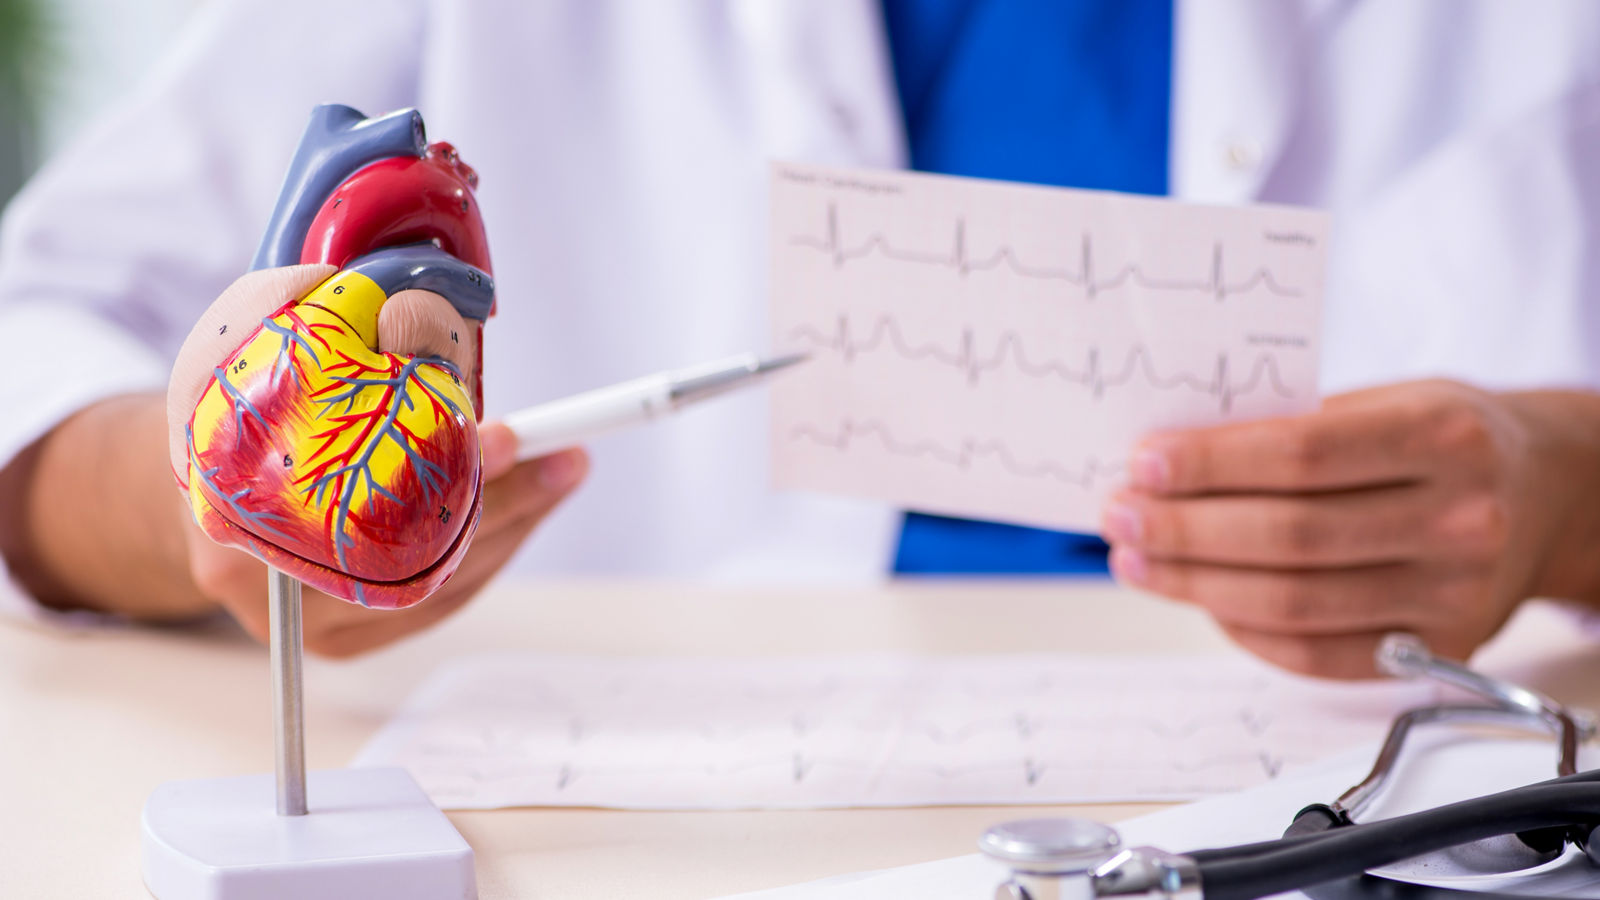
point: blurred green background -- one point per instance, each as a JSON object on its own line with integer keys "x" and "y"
{"x": 63, "y": 62}
{"x": 29, "y": 47}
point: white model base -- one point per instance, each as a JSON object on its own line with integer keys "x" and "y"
{"x": 369, "y": 833}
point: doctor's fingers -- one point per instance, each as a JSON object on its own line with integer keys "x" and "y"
{"x": 339, "y": 630}
{"x": 1388, "y": 524}
{"x": 331, "y": 627}
{"x": 1346, "y": 656}
{"x": 1313, "y": 602}
{"x": 514, "y": 504}
{"x": 528, "y": 491}
{"x": 225, "y": 324}
{"x": 1396, "y": 433}
{"x": 238, "y": 582}
{"x": 1328, "y": 656}
{"x": 352, "y": 630}
{"x": 422, "y": 323}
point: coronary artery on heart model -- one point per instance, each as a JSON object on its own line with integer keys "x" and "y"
{"x": 353, "y": 469}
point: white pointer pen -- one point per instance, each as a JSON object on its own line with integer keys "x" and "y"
{"x": 572, "y": 420}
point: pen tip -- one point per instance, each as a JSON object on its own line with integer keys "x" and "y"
{"x": 781, "y": 362}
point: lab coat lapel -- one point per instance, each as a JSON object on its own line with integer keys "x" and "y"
{"x": 820, "y": 81}
{"x": 1237, "y": 75}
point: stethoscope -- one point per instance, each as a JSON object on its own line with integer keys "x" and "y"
{"x": 1325, "y": 852}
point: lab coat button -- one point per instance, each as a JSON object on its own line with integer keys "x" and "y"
{"x": 844, "y": 118}
{"x": 1243, "y": 155}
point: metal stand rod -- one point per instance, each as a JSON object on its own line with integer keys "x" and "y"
{"x": 283, "y": 611}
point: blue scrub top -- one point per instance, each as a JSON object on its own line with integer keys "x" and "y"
{"x": 1074, "y": 93}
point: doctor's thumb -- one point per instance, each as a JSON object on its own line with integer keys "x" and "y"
{"x": 518, "y": 495}
{"x": 557, "y": 473}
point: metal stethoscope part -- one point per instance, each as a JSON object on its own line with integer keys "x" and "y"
{"x": 1075, "y": 859}
{"x": 1405, "y": 656}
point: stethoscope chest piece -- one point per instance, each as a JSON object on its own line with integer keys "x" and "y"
{"x": 1050, "y": 859}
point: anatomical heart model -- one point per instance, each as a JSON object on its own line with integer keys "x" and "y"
{"x": 356, "y": 471}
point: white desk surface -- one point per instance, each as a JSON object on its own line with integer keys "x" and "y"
{"x": 91, "y": 722}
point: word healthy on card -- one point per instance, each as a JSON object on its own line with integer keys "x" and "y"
{"x": 995, "y": 350}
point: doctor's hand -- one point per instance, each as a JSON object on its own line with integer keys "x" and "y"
{"x": 516, "y": 498}
{"x": 89, "y": 519}
{"x": 1430, "y": 507}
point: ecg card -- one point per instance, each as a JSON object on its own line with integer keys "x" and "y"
{"x": 993, "y": 349}
{"x": 867, "y": 730}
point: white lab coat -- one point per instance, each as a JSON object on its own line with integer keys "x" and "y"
{"x": 622, "y": 146}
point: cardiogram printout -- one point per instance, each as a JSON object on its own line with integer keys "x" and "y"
{"x": 867, "y": 730}
{"x": 991, "y": 349}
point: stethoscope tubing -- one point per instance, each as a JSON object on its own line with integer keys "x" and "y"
{"x": 1366, "y": 886}
{"x": 1339, "y": 852}
{"x": 1298, "y": 835}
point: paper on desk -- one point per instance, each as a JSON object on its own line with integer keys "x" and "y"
{"x": 992, "y": 349}
{"x": 696, "y": 733}
{"x": 1449, "y": 767}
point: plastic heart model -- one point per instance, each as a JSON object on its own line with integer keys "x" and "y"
{"x": 357, "y": 471}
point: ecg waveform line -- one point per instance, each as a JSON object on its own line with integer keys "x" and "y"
{"x": 885, "y": 334}
{"x": 581, "y": 729}
{"x": 960, "y": 259}
{"x": 961, "y": 456}
{"x": 801, "y": 767}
